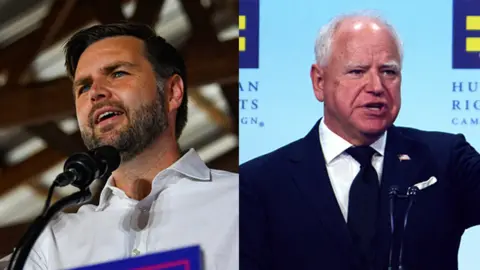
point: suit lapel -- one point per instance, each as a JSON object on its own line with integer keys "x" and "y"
{"x": 311, "y": 177}
{"x": 405, "y": 164}
{"x": 404, "y": 159}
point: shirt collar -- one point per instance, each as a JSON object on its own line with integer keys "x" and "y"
{"x": 334, "y": 145}
{"x": 192, "y": 166}
{"x": 189, "y": 165}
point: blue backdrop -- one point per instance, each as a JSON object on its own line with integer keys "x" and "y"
{"x": 440, "y": 73}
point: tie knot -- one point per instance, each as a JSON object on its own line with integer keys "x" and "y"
{"x": 362, "y": 154}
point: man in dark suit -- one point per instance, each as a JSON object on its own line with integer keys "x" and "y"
{"x": 322, "y": 202}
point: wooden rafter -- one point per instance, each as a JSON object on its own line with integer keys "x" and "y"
{"x": 17, "y": 174}
{"x": 218, "y": 116}
{"x": 56, "y": 138}
{"x": 49, "y": 28}
{"x": 16, "y": 50}
{"x": 201, "y": 20}
{"x": 36, "y": 103}
{"x": 230, "y": 92}
{"x": 228, "y": 161}
{"x": 42, "y": 189}
{"x": 108, "y": 11}
{"x": 147, "y": 11}
{"x": 207, "y": 65}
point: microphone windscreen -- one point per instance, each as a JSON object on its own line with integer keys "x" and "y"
{"x": 109, "y": 155}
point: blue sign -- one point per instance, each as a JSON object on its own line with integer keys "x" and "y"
{"x": 466, "y": 34}
{"x": 189, "y": 258}
{"x": 248, "y": 24}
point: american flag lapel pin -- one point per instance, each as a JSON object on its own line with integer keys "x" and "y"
{"x": 403, "y": 157}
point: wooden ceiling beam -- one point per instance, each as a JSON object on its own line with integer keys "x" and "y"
{"x": 230, "y": 6}
{"x": 16, "y": 138}
{"x": 48, "y": 101}
{"x": 200, "y": 20}
{"x": 16, "y": 50}
{"x": 230, "y": 92}
{"x": 217, "y": 115}
{"x": 3, "y": 163}
{"x": 207, "y": 64}
{"x": 36, "y": 103}
{"x": 49, "y": 28}
{"x": 10, "y": 236}
{"x": 147, "y": 11}
{"x": 227, "y": 161}
{"x": 15, "y": 175}
{"x": 56, "y": 138}
{"x": 108, "y": 11}
{"x": 205, "y": 46}
{"x": 42, "y": 190}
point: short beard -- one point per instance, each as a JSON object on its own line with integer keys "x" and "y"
{"x": 146, "y": 124}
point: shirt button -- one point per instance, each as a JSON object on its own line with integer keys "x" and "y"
{"x": 136, "y": 252}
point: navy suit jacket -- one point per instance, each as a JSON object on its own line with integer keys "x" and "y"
{"x": 290, "y": 218}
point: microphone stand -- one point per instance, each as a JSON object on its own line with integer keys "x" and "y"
{"x": 393, "y": 194}
{"x": 80, "y": 170}
{"x": 37, "y": 227}
{"x": 411, "y": 193}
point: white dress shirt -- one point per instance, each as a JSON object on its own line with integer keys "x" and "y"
{"x": 189, "y": 204}
{"x": 341, "y": 167}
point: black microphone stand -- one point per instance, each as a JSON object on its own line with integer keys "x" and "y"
{"x": 41, "y": 222}
{"x": 394, "y": 194}
{"x": 20, "y": 255}
{"x": 80, "y": 170}
{"x": 411, "y": 194}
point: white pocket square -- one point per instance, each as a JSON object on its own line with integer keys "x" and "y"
{"x": 423, "y": 185}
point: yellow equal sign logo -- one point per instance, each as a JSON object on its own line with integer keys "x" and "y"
{"x": 473, "y": 43}
{"x": 248, "y": 26}
{"x": 242, "y": 25}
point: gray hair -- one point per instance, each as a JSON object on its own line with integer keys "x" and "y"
{"x": 323, "y": 44}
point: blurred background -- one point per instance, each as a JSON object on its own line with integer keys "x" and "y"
{"x": 38, "y": 129}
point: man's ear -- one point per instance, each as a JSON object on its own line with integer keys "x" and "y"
{"x": 317, "y": 77}
{"x": 175, "y": 92}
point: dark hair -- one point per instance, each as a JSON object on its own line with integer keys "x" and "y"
{"x": 164, "y": 58}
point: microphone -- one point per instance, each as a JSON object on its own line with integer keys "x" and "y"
{"x": 411, "y": 196}
{"x": 81, "y": 169}
{"x": 393, "y": 193}
{"x": 411, "y": 193}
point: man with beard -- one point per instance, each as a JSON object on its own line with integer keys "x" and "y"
{"x": 130, "y": 92}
